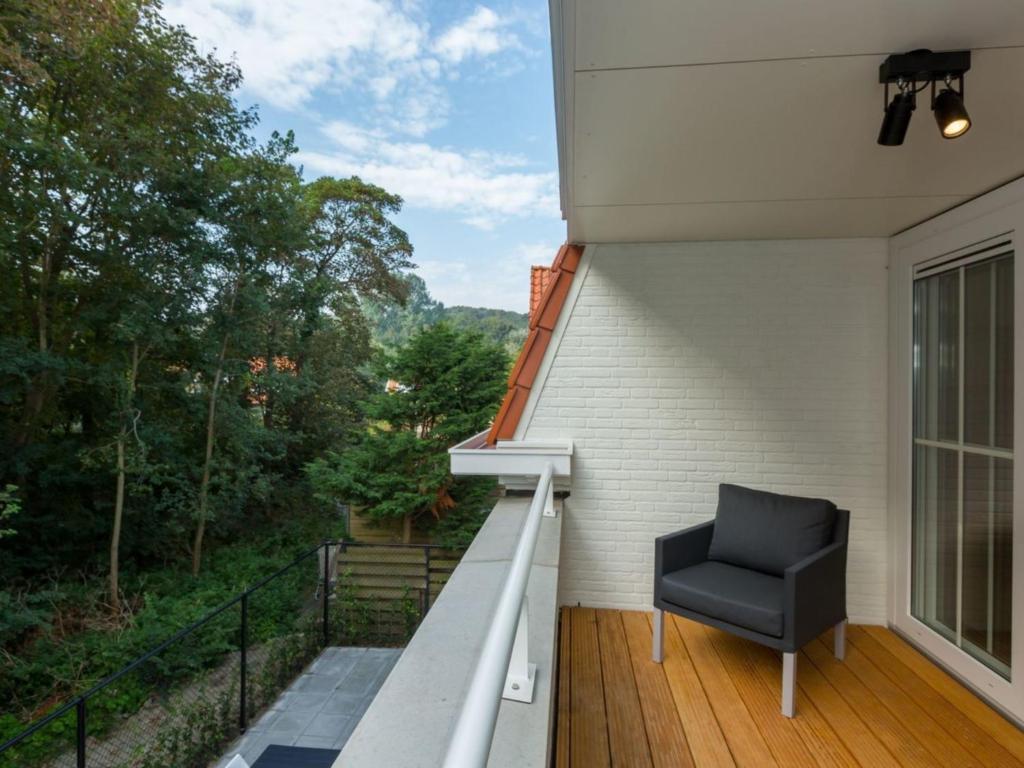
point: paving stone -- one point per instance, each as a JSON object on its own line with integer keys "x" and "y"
{"x": 343, "y": 702}
{"x": 300, "y": 701}
{"x": 288, "y": 725}
{"x": 346, "y": 731}
{"x": 253, "y": 748}
{"x": 314, "y": 684}
{"x": 326, "y": 726}
{"x": 367, "y": 675}
{"x": 339, "y": 664}
{"x": 317, "y": 742}
{"x": 263, "y": 721}
{"x": 333, "y": 652}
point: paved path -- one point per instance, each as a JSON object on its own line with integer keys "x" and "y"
{"x": 322, "y": 706}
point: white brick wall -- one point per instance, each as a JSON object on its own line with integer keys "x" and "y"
{"x": 688, "y": 364}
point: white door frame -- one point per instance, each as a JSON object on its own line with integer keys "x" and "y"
{"x": 996, "y": 212}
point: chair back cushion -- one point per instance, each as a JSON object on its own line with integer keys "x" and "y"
{"x": 768, "y": 532}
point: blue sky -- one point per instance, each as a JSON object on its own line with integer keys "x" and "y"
{"x": 448, "y": 104}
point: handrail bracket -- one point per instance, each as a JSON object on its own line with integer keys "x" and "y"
{"x": 521, "y": 671}
{"x": 549, "y": 501}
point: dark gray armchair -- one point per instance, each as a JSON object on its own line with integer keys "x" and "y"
{"x": 769, "y": 568}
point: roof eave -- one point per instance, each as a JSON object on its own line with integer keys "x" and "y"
{"x": 562, "y": 15}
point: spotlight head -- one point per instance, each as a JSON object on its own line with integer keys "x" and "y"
{"x": 897, "y": 119}
{"x": 950, "y": 114}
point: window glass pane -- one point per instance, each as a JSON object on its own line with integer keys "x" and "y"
{"x": 988, "y": 532}
{"x": 934, "y": 531}
{"x": 1004, "y": 353}
{"x": 937, "y": 356}
{"x": 988, "y": 353}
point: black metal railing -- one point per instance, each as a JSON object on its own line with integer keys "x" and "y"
{"x": 181, "y": 702}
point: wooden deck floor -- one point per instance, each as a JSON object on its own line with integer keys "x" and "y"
{"x": 715, "y": 702}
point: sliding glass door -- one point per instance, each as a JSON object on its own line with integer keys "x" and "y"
{"x": 961, "y": 569}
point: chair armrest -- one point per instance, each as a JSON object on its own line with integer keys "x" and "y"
{"x": 680, "y": 550}
{"x": 815, "y": 595}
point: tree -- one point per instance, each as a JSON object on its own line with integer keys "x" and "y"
{"x": 112, "y": 127}
{"x": 181, "y": 324}
{"x": 295, "y": 261}
{"x": 394, "y": 324}
{"x": 83, "y": 162}
{"x": 451, "y": 384}
{"x": 260, "y": 232}
{"x": 354, "y": 253}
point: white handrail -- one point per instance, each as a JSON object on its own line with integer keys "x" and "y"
{"x": 470, "y": 743}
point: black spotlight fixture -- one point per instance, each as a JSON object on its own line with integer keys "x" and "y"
{"x": 950, "y": 113}
{"x": 897, "y": 115}
{"x": 911, "y": 73}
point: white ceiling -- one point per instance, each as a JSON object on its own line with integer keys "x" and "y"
{"x": 731, "y": 119}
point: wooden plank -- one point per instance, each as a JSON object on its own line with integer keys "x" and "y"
{"x": 780, "y": 733}
{"x": 745, "y": 741}
{"x": 819, "y": 737}
{"x": 915, "y": 718}
{"x": 889, "y": 729}
{"x": 850, "y": 729}
{"x": 970, "y": 721}
{"x": 958, "y": 695}
{"x": 703, "y": 733}
{"x": 661, "y": 720}
{"x": 627, "y": 737}
{"x": 563, "y": 724}
{"x": 589, "y": 729}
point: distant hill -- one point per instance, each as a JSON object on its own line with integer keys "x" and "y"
{"x": 392, "y": 325}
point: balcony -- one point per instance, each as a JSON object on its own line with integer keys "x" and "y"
{"x": 600, "y": 700}
{"x": 714, "y": 702}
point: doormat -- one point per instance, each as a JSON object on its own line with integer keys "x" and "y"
{"x": 276, "y": 756}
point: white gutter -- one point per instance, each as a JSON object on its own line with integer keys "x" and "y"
{"x": 511, "y": 458}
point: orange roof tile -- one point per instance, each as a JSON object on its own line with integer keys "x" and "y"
{"x": 544, "y": 312}
{"x": 539, "y": 279}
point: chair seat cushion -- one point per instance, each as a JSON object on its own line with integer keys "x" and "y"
{"x": 768, "y": 531}
{"x": 726, "y": 592}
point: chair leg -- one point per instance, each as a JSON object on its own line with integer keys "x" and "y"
{"x": 658, "y": 650}
{"x": 788, "y": 684}
{"x": 840, "y": 640}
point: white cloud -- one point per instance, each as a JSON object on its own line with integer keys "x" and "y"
{"x": 483, "y": 188}
{"x": 501, "y": 283}
{"x": 290, "y": 49}
{"x": 483, "y": 33}
{"x": 535, "y": 254}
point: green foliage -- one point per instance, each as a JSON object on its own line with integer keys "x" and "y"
{"x": 57, "y": 647}
{"x": 505, "y": 328}
{"x": 25, "y": 613}
{"x": 371, "y": 620}
{"x": 476, "y": 499}
{"x": 180, "y": 321}
{"x": 394, "y": 324}
{"x": 9, "y": 507}
{"x": 190, "y": 675}
{"x": 196, "y": 733}
{"x": 451, "y": 383}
